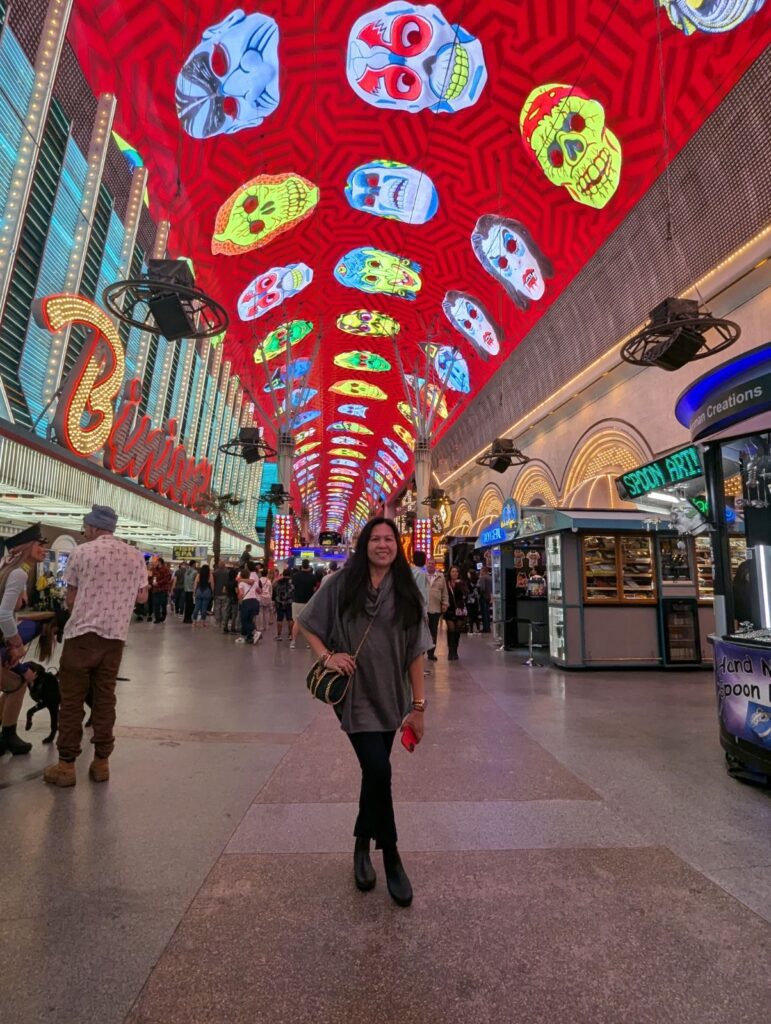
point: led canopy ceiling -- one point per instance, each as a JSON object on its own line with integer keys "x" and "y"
{"x": 368, "y": 187}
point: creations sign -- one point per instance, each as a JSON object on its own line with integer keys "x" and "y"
{"x": 681, "y": 465}
{"x": 729, "y": 394}
{"x": 85, "y": 421}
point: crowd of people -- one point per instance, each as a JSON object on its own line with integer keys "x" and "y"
{"x": 246, "y": 599}
{"x": 370, "y": 625}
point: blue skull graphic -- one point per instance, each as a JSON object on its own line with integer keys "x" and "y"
{"x": 389, "y": 189}
{"x": 230, "y": 80}
{"x": 709, "y": 15}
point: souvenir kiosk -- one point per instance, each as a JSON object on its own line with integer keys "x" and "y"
{"x": 728, "y": 412}
{"x": 602, "y": 589}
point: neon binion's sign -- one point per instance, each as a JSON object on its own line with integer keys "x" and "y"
{"x": 85, "y": 421}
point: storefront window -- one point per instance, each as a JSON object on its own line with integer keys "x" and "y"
{"x": 675, "y": 563}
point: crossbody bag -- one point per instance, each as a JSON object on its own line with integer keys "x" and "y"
{"x": 329, "y": 685}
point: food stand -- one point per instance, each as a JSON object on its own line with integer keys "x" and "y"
{"x": 728, "y": 411}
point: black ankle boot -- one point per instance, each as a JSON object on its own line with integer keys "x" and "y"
{"x": 396, "y": 877}
{"x": 363, "y": 871}
{"x": 11, "y": 743}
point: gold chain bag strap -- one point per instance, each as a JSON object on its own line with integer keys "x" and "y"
{"x": 329, "y": 685}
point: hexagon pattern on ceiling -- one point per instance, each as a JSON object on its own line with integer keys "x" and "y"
{"x": 398, "y": 174}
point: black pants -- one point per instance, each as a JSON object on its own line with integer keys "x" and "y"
{"x": 453, "y": 639}
{"x": 179, "y": 600}
{"x": 433, "y": 626}
{"x": 189, "y": 605}
{"x": 160, "y": 604}
{"x": 376, "y": 808}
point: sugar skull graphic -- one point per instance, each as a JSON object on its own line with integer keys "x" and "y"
{"x": 295, "y": 371}
{"x": 378, "y": 271}
{"x": 392, "y": 190}
{"x": 230, "y": 80}
{"x": 358, "y": 388}
{"x": 709, "y": 15}
{"x": 391, "y": 462}
{"x": 299, "y": 397}
{"x": 506, "y": 249}
{"x": 351, "y": 442}
{"x": 305, "y": 434}
{"x": 368, "y": 321}
{"x": 565, "y": 132}
{"x": 283, "y": 337}
{"x": 368, "y": 361}
{"x": 406, "y": 56}
{"x": 404, "y": 435}
{"x": 469, "y": 316}
{"x": 397, "y": 449}
{"x": 306, "y": 416}
{"x": 342, "y": 462}
{"x": 430, "y": 395}
{"x": 270, "y": 289}
{"x": 385, "y": 472}
{"x": 451, "y": 368}
{"x": 352, "y": 409}
{"x": 348, "y": 453}
{"x": 350, "y": 426}
{"x": 304, "y": 449}
{"x": 260, "y": 211}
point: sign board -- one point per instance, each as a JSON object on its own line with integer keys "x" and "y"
{"x": 743, "y": 677}
{"x": 737, "y": 390}
{"x": 671, "y": 469}
{"x": 732, "y": 404}
{"x": 492, "y": 535}
{"x": 86, "y": 421}
{"x": 510, "y": 515}
{"x": 183, "y": 553}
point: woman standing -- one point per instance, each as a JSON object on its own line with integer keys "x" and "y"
{"x": 24, "y": 550}
{"x": 456, "y": 615}
{"x": 265, "y": 597}
{"x": 374, "y": 600}
{"x": 248, "y": 596}
{"x": 202, "y": 595}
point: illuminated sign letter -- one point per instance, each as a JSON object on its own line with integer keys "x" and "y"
{"x": 84, "y": 415}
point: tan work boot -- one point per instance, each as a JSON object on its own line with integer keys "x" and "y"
{"x": 99, "y": 769}
{"x": 60, "y": 774}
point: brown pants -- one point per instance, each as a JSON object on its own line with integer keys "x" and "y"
{"x": 89, "y": 662}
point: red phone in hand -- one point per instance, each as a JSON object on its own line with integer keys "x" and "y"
{"x": 409, "y": 739}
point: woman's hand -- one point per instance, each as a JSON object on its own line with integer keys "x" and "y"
{"x": 416, "y": 721}
{"x": 342, "y": 663}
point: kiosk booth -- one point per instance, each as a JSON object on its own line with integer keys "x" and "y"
{"x": 728, "y": 411}
{"x": 601, "y": 589}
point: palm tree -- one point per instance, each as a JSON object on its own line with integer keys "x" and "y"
{"x": 217, "y": 504}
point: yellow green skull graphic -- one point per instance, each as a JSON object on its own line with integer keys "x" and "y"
{"x": 369, "y": 361}
{"x": 358, "y": 389}
{"x": 260, "y": 211}
{"x": 368, "y": 321}
{"x": 565, "y": 132}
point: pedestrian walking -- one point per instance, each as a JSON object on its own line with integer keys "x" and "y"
{"x": 456, "y": 616}
{"x": 202, "y": 596}
{"x": 191, "y": 574}
{"x": 304, "y": 585}
{"x": 221, "y": 599}
{"x": 283, "y": 595}
{"x": 438, "y": 602}
{"x": 162, "y": 583}
{"x": 249, "y": 604}
{"x": 100, "y": 603}
{"x": 373, "y": 607}
{"x": 23, "y": 551}
{"x": 179, "y": 589}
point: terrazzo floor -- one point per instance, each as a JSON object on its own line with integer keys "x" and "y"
{"x": 577, "y": 851}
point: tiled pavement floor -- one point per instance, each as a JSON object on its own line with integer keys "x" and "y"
{"x": 578, "y": 854}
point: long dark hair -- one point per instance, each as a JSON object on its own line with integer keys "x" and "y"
{"x": 407, "y": 599}
{"x": 203, "y": 577}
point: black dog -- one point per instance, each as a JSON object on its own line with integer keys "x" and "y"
{"x": 44, "y": 690}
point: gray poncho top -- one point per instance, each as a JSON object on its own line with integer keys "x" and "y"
{"x": 378, "y": 698}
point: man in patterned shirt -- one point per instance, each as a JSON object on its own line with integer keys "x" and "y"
{"x": 105, "y": 578}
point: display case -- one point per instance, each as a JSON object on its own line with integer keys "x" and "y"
{"x": 619, "y": 569}
{"x": 600, "y": 559}
{"x": 705, "y": 568}
{"x": 554, "y": 568}
{"x": 637, "y": 570}
{"x": 680, "y": 625}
